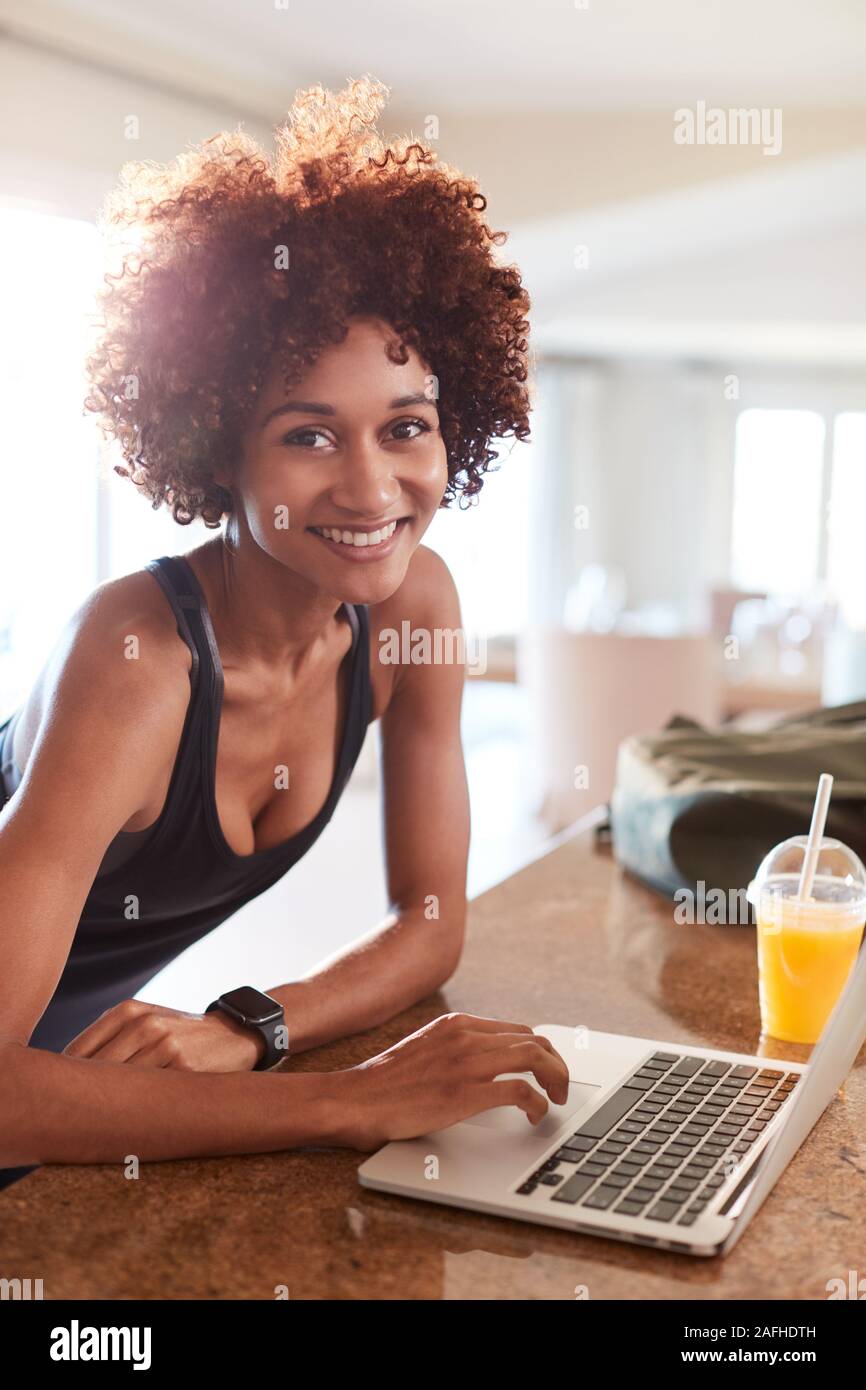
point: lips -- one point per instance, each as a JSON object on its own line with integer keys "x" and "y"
{"x": 356, "y": 538}
{"x": 360, "y": 547}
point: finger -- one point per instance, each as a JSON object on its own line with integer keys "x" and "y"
{"x": 558, "y": 1090}
{"x": 123, "y": 1046}
{"x": 513, "y": 1092}
{"x": 162, "y": 1053}
{"x": 548, "y": 1068}
{"x": 153, "y": 1027}
{"x": 479, "y": 1024}
{"x": 107, "y": 1026}
{"x": 546, "y": 1043}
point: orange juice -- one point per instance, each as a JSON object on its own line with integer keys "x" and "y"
{"x": 805, "y": 954}
{"x": 806, "y": 945}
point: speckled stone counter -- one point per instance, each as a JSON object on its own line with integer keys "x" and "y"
{"x": 568, "y": 939}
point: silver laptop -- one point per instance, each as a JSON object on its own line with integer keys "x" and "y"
{"x": 659, "y": 1143}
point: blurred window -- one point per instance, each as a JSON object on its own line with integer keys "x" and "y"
{"x": 778, "y": 487}
{"x": 846, "y": 545}
{"x": 486, "y": 548}
{"x": 48, "y": 558}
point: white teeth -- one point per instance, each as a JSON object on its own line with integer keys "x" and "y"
{"x": 357, "y": 537}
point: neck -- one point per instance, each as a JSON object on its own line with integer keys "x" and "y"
{"x": 262, "y": 612}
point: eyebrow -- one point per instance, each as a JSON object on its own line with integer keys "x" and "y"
{"x": 317, "y": 408}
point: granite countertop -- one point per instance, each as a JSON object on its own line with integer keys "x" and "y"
{"x": 568, "y": 939}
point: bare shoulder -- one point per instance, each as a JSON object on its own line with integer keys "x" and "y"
{"x": 118, "y": 659}
{"x": 424, "y": 607}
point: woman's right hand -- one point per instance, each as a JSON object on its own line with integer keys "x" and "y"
{"x": 446, "y": 1072}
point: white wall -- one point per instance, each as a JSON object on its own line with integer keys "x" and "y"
{"x": 62, "y": 126}
{"x": 648, "y": 448}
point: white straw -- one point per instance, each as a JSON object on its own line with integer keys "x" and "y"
{"x": 816, "y": 831}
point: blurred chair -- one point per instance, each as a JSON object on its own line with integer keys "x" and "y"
{"x": 589, "y": 691}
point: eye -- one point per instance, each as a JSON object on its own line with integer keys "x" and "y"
{"x": 303, "y": 438}
{"x": 420, "y": 426}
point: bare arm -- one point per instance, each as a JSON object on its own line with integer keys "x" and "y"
{"x": 426, "y": 826}
{"x": 106, "y": 743}
{"x": 109, "y": 726}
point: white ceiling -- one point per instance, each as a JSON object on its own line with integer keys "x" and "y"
{"x": 477, "y": 55}
{"x": 769, "y": 265}
{"x": 767, "y": 261}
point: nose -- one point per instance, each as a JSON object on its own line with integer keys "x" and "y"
{"x": 366, "y": 484}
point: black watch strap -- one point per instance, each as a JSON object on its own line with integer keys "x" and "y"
{"x": 260, "y": 1012}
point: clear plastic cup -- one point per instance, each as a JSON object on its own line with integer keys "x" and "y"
{"x": 806, "y": 950}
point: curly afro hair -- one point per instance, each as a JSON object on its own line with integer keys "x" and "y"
{"x": 227, "y": 256}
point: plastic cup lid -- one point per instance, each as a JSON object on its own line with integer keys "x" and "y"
{"x": 839, "y": 883}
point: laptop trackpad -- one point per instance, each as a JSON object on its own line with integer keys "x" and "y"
{"x": 509, "y": 1119}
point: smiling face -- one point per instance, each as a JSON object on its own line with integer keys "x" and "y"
{"x": 353, "y": 455}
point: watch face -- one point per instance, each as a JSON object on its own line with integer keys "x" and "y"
{"x": 254, "y": 1006}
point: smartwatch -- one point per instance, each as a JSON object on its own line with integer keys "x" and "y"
{"x": 260, "y": 1012}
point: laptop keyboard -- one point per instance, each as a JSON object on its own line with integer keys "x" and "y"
{"x": 662, "y": 1145}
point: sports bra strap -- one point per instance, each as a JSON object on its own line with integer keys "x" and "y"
{"x": 181, "y": 589}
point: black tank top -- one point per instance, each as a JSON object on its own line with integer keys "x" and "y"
{"x": 160, "y": 889}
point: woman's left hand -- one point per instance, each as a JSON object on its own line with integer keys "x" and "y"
{"x": 149, "y": 1035}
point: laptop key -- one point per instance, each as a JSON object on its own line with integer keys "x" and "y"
{"x": 677, "y": 1194}
{"x": 663, "y": 1211}
{"x": 647, "y": 1187}
{"x": 601, "y": 1198}
{"x": 572, "y": 1190}
{"x": 592, "y": 1170}
{"x": 628, "y": 1170}
{"x": 578, "y": 1141}
{"x": 551, "y": 1179}
{"x": 687, "y": 1066}
{"x": 628, "y": 1207}
{"x": 526, "y": 1188}
{"x": 609, "y": 1114}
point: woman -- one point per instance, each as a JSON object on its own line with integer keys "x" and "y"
{"x": 312, "y": 354}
